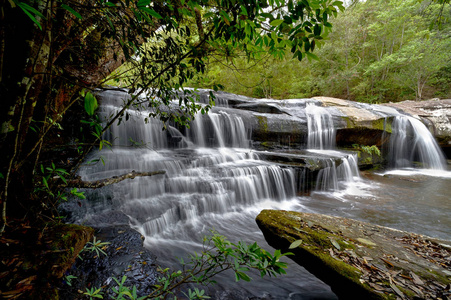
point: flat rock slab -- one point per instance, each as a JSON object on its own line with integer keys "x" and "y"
{"x": 361, "y": 260}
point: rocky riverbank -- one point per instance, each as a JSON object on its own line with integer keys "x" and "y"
{"x": 360, "y": 260}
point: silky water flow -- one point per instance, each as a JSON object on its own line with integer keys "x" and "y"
{"x": 215, "y": 180}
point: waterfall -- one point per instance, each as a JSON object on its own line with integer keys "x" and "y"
{"x": 321, "y": 127}
{"x": 218, "y": 129}
{"x": 338, "y": 167}
{"x": 210, "y": 170}
{"x": 215, "y": 180}
{"x": 411, "y": 142}
{"x": 321, "y": 135}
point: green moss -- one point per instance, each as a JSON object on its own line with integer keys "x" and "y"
{"x": 317, "y": 244}
{"x": 382, "y": 124}
{"x": 341, "y": 267}
{"x": 263, "y": 122}
{"x": 410, "y": 294}
{"x": 349, "y": 122}
{"x": 434, "y": 275}
{"x": 316, "y": 241}
{"x": 65, "y": 242}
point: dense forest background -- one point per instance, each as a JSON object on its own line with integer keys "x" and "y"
{"x": 378, "y": 51}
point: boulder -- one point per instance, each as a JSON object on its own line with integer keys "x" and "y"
{"x": 279, "y": 129}
{"x": 34, "y": 259}
{"x": 360, "y": 260}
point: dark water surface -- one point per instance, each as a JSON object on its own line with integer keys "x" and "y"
{"x": 412, "y": 200}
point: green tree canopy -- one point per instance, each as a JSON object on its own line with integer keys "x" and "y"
{"x": 52, "y": 49}
{"x": 378, "y": 51}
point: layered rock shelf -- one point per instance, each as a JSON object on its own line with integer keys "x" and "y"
{"x": 360, "y": 260}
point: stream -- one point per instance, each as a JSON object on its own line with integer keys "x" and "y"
{"x": 215, "y": 179}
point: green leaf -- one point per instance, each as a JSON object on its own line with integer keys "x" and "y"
{"x": 336, "y": 245}
{"x": 243, "y": 10}
{"x": 317, "y": 29}
{"x": 208, "y": 15}
{"x": 295, "y": 244}
{"x": 30, "y": 9}
{"x": 44, "y": 181}
{"x": 143, "y": 3}
{"x": 150, "y": 12}
{"x": 90, "y": 103}
{"x": 30, "y": 16}
{"x": 110, "y": 23}
{"x": 276, "y": 22}
{"x": 225, "y": 17}
{"x": 241, "y": 275}
{"x": 267, "y": 15}
{"x": 311, "y": 56}
{"x": 72, "y": 11}
{"x": 63, "y": 179}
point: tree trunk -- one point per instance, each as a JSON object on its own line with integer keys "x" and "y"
{"x": 41, "y": 72}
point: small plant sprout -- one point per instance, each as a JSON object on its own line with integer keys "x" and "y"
{"x": 97, "y": 246}
{"x": 94, "y": 293}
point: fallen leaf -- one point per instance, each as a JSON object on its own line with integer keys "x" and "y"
{"x": 416, "y": 279}
{"x": 397, "y": 291}
{"x": 387, "y": 262}
{"x": 3, "y": 274}
{"x": 416, "y": 290}
{"x": 377, "y": 287}
{"x": 366, "y": 242}
{"x": 295, "y": 244}
{"x": 13, "y": 292}
{"x": 335, "y": 243}
{"x": 27, "y": 281}
{"x": 331, "y": 252}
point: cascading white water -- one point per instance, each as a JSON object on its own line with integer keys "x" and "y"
{"x": 199, "y": 182}
{"x": 321, "y": 135}
{"x": 339, "y": 167}
{"x": 218, "y": 129}
{"x": 321, "y": 128}
{"x": 327, "y": 177}
{"x": 411, "y": 142}
{"x": 208, "y": 185}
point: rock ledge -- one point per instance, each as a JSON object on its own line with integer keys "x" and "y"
{"x": 360, "y": 260}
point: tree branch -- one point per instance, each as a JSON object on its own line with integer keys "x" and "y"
{"x": 78, "y": 183}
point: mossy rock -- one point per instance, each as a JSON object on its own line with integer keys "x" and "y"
{"x": 361, "y": 135}
{"x": 359, "y": 260}
{"x": 66, "y": 241}
{"x": 37, "y": 257}
{"x": 63, "y": 243}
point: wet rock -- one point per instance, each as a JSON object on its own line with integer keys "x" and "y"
{"x": 125, "y": 256}
{"x": 279, "y": 129}
{"x": 300, "y": 159}
{"x": 260, "y": 108}
{"x": 360, "y": 260}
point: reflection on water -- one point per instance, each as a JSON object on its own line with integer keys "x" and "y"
{"x": 412, "y": 200}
